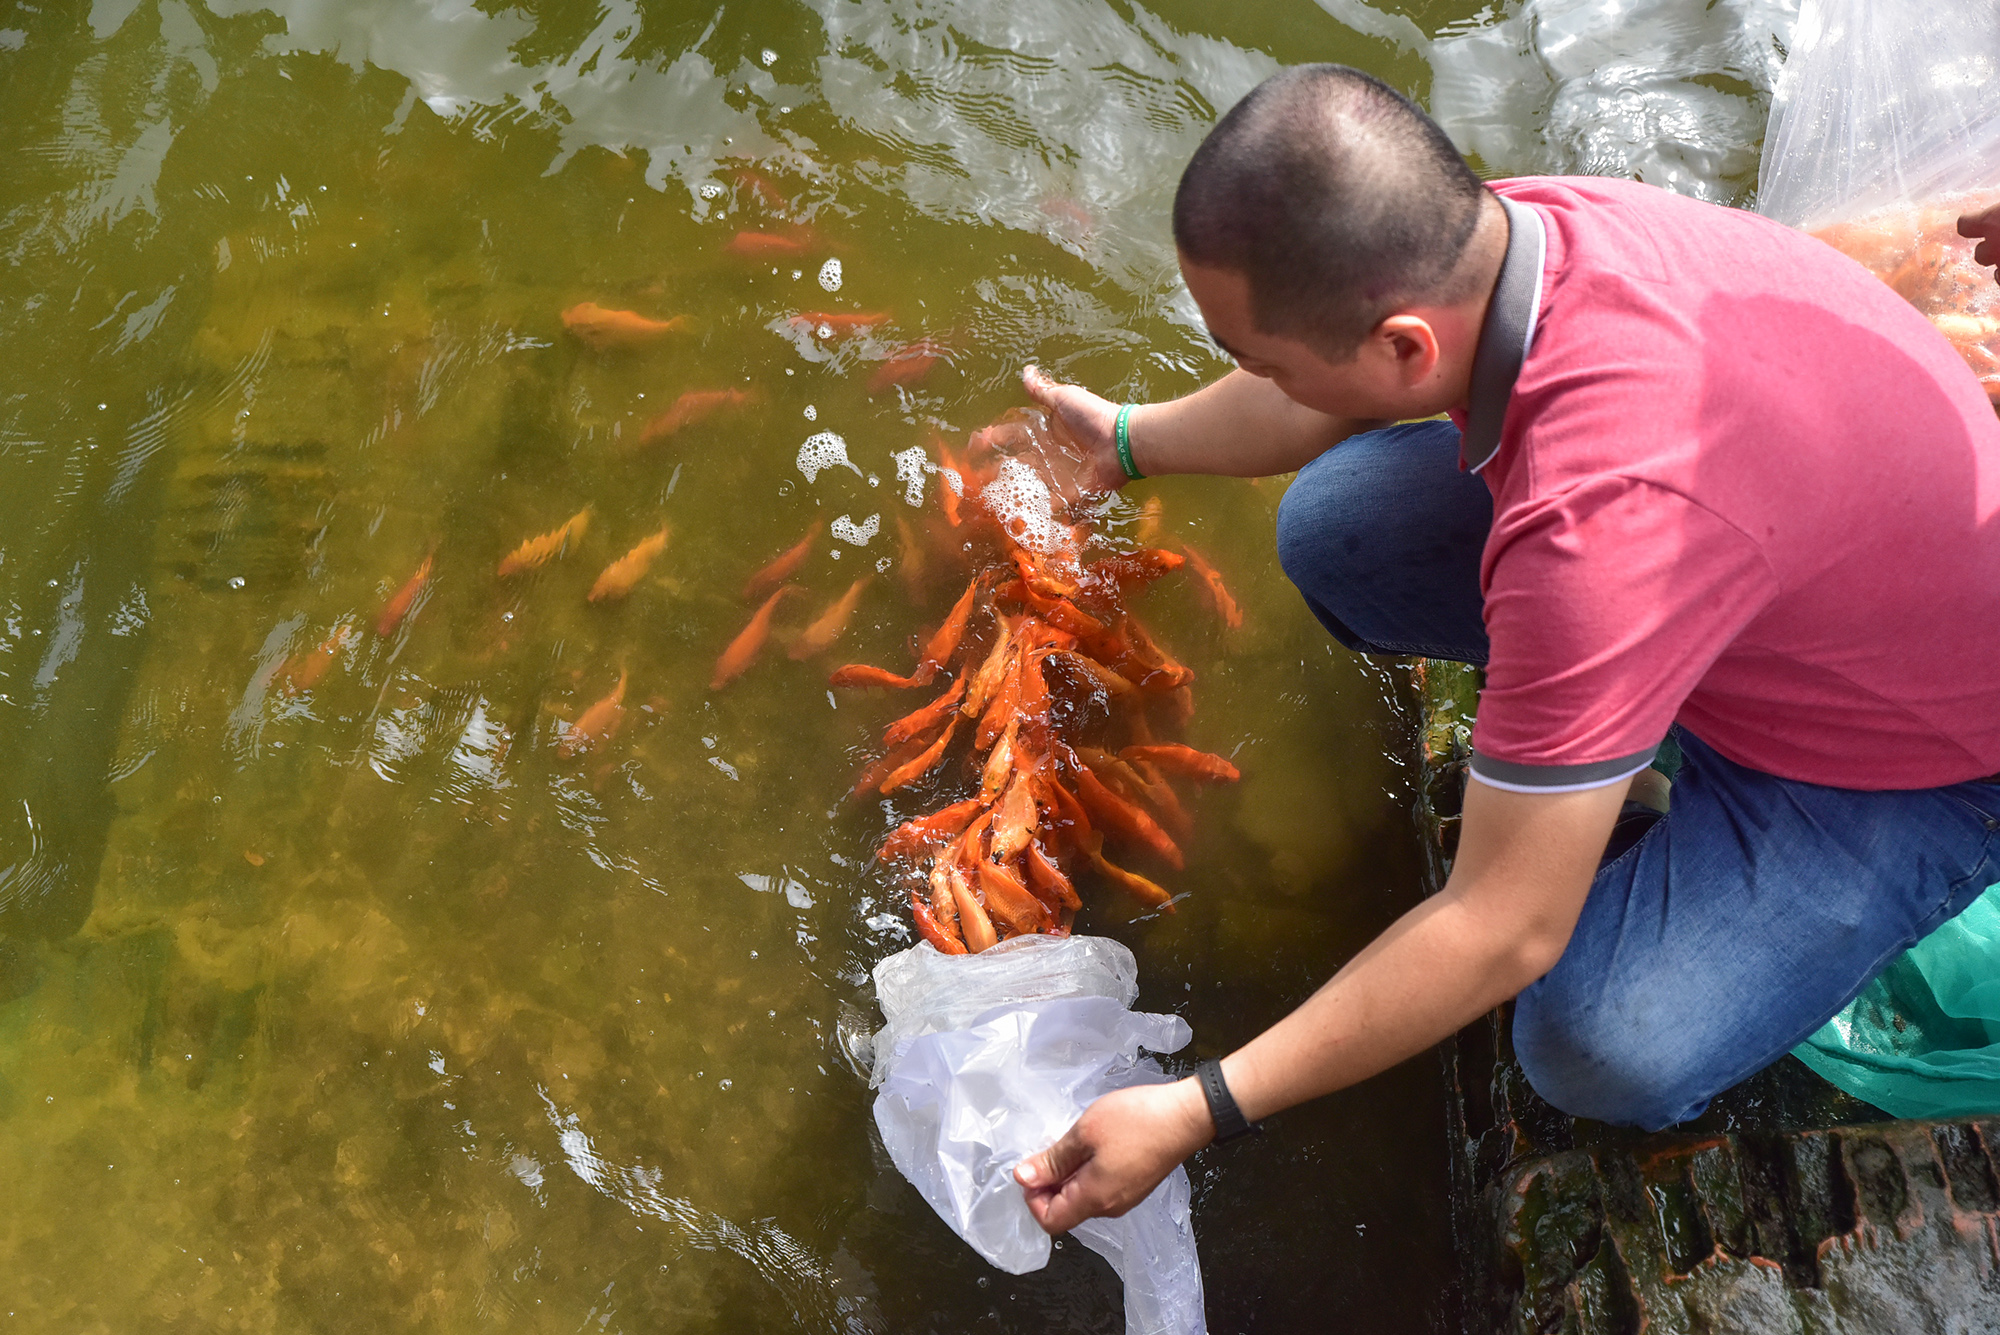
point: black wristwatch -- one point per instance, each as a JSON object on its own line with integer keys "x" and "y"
{"x": 1222, "y": 1109}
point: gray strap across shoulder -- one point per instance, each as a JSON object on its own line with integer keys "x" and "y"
{"x": 1506, "y": 334}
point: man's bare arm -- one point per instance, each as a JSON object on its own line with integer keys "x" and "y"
{"x": 1240, "y": 426}
{"x": 1524, "y": 868}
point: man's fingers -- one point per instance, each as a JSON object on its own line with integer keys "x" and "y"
{"x": 1054, "y": 1165}
{"x": 1064, "y": 1209}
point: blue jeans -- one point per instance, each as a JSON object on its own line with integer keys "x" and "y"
{"x": 1738, "y": 923}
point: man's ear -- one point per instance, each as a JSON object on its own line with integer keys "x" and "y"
{"x": 1410, "y": 344}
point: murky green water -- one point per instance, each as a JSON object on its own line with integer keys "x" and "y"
{"x": 364, "y": 1007}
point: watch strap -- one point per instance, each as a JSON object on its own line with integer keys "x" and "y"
{"x": 1222, "y": 1110}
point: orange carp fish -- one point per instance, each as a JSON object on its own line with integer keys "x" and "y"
{"x": 539, "y": 551}
{"x": 399, "y": 605}
{"x": 619, "y": 577}
{"x": 743, "y": 650}
{"x": 602, "y": 329}
{"x": 832, "y": 623}
{"x": 597, "y": 723}
{"x": 690, "y": 408}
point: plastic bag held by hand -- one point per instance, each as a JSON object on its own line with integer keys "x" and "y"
{"x": 989, "y": 1058}
{"x": 1885, "y": 127}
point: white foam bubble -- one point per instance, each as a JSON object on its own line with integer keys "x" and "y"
{"x": 1020, "y": 500}
{"x": 829, "y": 275}
{"x": 711, "y": 190}
{"x": 853, "y": 534}
{"x": 767, "y": 57}
{"x": 910, "y": 465}
{"x": 821, "y": 451}
{"x": 812, "y": 413}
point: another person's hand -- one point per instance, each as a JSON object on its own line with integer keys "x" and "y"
{"x": 1089, "y": 419}
{"x": 1986, "y": 226}
{"x": 1122, "y": 1147}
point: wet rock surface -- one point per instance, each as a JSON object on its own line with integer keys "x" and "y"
{"x": 1787, "y": 1207}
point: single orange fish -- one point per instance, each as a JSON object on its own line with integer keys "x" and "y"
{"x": 939, "y": 932}
{"x": 921, "y": 765}
{"x": 1218, "y": 592}
{"x": 1185, "y": 760}
{"x": 945, "y": 642}
{"x": 783, "y": 565}
{"x": 953, "y": 483}
{"x": 1014, "y": 818}
{"x": 619, "y": 577}
{"x": 1146, "y": 892}
{"x": 602, "y": 329}
{"x": 763, "y": 245}
{"x": 1046, "y": 878}
{"x": 914, "y": 563}
{"x": 1123, "y": 818}
{"x": 690, "y": 408}
{"x": 840, "y": 322}
{"x": 990, "y": 674}
{"x": 921, "y": 721}
{"x": 541, "y": 550}
{"x": 830, "y": 624}
{"x": 973, "y": 923}
{"x": 742, "y": 650}
{"x": 1008, "y": 901}
{"x": 1147, "y": 529}
{"x": 597, "y": 723}
{"x": 302, "y": 673}
{"x": 405, "y": 598}
{"x": 913, "y": 838}
{"x": 906, "y": 365}
{"x": 865, "y": 674}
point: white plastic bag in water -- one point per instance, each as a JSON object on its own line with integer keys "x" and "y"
{"x": 989, "y": 1058}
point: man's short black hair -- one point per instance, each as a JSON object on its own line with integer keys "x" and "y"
{"x": 1336, "y": 197}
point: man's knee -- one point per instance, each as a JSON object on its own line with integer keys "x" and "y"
{"x": 1610, "y": 1063}
{"x": 1317, "y": 535}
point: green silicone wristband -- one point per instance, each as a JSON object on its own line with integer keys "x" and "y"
{"x": 1125, "y": 443}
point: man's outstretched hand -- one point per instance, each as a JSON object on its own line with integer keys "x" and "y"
{"x": 1090, "y": 420}
{"x": 1122, "y": 1147}
{"x": 1986, "y": 227}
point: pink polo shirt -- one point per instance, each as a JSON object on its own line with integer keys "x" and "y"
{"x": 1738, "y": 483}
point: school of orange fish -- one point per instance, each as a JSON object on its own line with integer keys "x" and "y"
{"x": 1056, "y": 700}
{"x": 1050, "y": 724}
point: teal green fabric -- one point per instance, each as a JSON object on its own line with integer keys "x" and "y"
{"x": 1923, "y": 1039}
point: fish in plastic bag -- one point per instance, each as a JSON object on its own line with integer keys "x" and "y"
{"x": 1884, "y": 129}
{"x": 987, "y": 1059}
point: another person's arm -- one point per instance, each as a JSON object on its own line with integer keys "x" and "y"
{"x": 1986, "y": 227}
{"x": 1240, "y": 426}
{"x": 1524, "y": 867}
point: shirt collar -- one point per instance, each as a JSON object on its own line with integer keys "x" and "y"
{"x": 1506, "y": 335}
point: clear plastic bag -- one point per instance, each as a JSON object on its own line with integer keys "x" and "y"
{"x": 1884, "y": 128}
{"x": 989, "y": 1058}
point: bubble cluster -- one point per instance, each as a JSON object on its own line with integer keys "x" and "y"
{"x": 711, "y": 190}
{"x": 910, "y": 472}
{"x": 829, "y": 275}
{"x": 853, "y": 534}
{"x": 821, "y": 451}
{"x": 1020, "y": 500}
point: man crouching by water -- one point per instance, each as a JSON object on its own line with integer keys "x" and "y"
{"x": 1708, "y": 490}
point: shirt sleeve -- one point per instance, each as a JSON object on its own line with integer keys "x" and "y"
{"x": 1605, "y": 606}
